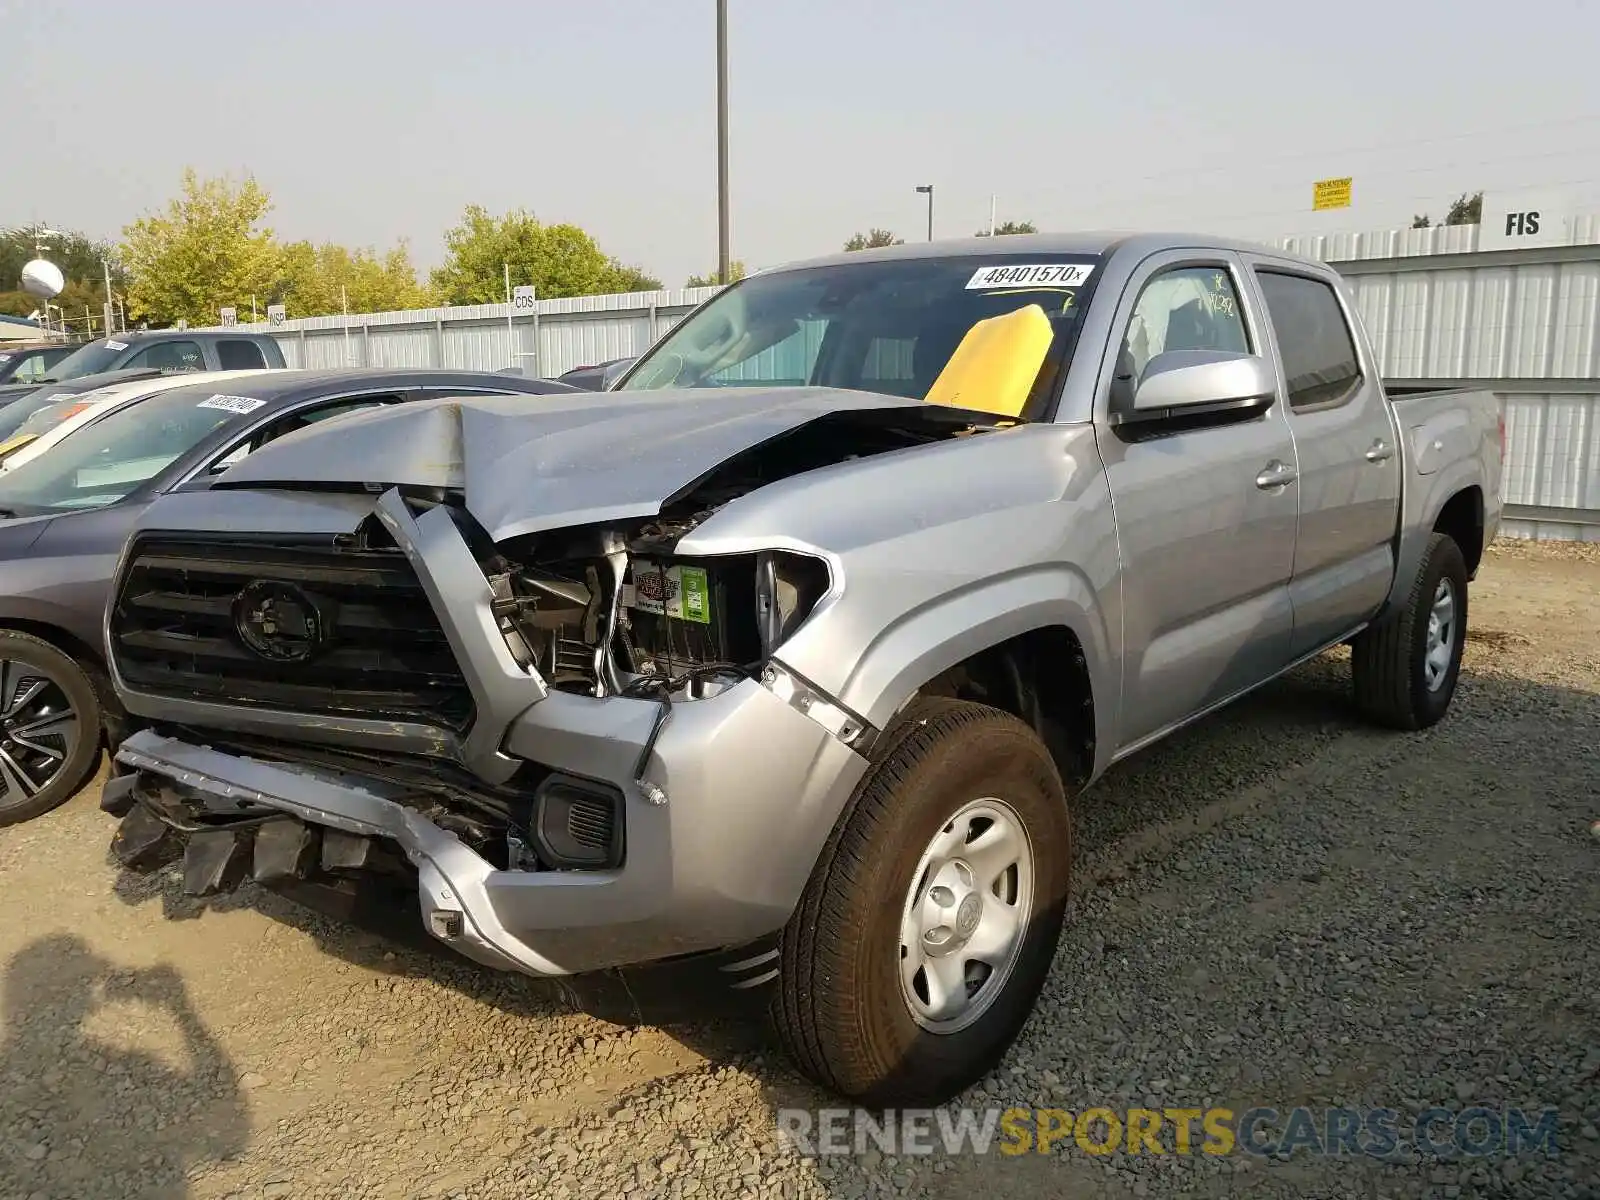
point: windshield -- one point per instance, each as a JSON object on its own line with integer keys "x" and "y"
{"x": 888, "y": 326}
{"x": 89, "y": 359}
{"x": 19, "y": 412}
{"x": 108, "y": 459}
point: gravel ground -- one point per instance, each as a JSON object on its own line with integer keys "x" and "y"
{"x": 1278, "y": 907}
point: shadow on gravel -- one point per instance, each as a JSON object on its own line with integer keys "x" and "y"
{"x": 75, "y": 1090}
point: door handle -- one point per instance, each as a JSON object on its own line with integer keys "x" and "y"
{"x": 1276, "y": 475}
{"x": 1381, "y": 451}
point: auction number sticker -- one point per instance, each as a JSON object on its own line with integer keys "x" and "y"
{"x": 110, "y": 345}
{"x": 233, "y": 404}
{"x": 1055, "y": 275}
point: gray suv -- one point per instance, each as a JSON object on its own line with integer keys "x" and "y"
{"x": 788, "y": 654}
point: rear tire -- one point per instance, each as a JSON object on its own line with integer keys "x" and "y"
{"x": 49, "y": 727}
{"x": 1405, "y": 668}
{"x": 929, "y": 924}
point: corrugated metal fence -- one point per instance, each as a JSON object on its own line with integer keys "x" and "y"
{"x": 551, "y": 337}
{"x": 1525, "y": 323}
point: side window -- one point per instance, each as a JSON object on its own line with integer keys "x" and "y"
{"x": 169, "y": 358}
{"x": 1186, "y": 308}
{"x": 237, "y": 355}
{"x": 890, "y": 365}
{"x": 34, "y": 368}
{"x": 298, "y": 420}
{"x": 1319, "y": 355}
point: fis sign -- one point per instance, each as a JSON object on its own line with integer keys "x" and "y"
{"x": 1515, "y": 221}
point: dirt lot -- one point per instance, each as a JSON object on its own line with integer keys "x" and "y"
{"x": 1278, "y": 907}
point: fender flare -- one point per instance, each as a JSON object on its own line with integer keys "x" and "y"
{"x": 928, "y": 640}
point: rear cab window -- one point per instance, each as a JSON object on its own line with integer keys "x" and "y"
{"x": 236, "y": 354}
{"x": 1320, "y": 364}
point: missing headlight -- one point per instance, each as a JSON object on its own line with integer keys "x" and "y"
{"x": 695, "y": 615}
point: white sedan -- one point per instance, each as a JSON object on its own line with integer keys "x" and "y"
{"x": 54, "y": 422}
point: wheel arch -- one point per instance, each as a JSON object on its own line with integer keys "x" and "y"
{"x": 1033, "y": 643}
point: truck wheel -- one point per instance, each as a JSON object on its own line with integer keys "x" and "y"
{"x": 49, "y": 727}
{"x": 1405, "y": 668}
{"x": 928, "y": 926}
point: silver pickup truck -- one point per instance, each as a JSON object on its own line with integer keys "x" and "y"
{"x": 786, "y": 656}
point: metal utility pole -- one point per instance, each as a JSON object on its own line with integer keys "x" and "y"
{"x": 928, "y": 189}
{"x": 722, "y": 142}
{"x": 991, "y": 214}
{"x": 111, "y": 304}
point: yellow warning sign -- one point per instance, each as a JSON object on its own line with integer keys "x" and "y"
{"x": 1330, "y": 193}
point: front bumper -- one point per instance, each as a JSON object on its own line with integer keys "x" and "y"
{"x": 753, "y": 790}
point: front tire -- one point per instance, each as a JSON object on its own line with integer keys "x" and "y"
{"x": 1405, "y": 668}
{"x": 49, "y": 727}
{"x": 929, "y": 924}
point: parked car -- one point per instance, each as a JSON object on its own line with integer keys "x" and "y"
{"x": 31, "y": 426}
{"x": 64, "y": 516}
{"x": 598, "y": 377}
{"x": 798, "y": 683}
{"x": 30, "y": 363}
{"x": 167, "y": 351}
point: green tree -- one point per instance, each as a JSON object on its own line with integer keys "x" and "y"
{"x": 872, "y": 240}
{"x": 206, "y": 250}
{"x": 1010, "y": 227}
{"x": 736, "y": 272}
{"x": 1465, "y": 210}
{"x": 559, "y": 260}
{"x": 315, "y": 280}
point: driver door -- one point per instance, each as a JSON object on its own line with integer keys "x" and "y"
{"x": 1206, "y": 514}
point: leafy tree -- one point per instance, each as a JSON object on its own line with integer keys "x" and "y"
{"x": 872, "y": 240}
{"x": 206, "y": 250}
{"x": 1468, "y": 210}
{"x": 1465, "y": 210}
{"x": 1009, "y": 227}
{"x": 314, "y": 280}
{"x": 736, "y": 272}
{"x": 559, "y": 260}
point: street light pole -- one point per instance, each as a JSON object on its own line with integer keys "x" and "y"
{"x": 928, "y": 189}
{"x": 722, "y": 142}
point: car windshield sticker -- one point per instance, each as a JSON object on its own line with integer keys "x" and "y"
{"x": 1053, "y": 275}
{"x": 233, "y": 404}
{"x": 116, "y": 345}
{"x": 5, "y": 358}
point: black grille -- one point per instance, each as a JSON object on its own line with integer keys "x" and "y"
{"x": 378, "y": 652}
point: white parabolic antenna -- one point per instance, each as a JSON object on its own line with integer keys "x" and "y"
{"x": 43, "y": 279}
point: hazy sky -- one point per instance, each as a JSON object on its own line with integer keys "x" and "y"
{"x": 374, "y": 121}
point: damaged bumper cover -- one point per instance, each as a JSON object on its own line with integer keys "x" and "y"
{"x": 750, "y": 780}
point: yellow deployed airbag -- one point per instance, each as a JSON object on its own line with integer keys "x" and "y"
{"x": 994, "y": 367}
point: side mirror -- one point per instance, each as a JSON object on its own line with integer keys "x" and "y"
{"x": 614, "y": 372}
{"x": 1196, "y": 383}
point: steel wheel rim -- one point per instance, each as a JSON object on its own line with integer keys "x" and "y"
{"x": 39, "y": 730}
{"x": 965, "y": 916}
{"x": 1441, "y": 648}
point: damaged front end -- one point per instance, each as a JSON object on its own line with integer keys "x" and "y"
{"x": 573, "y": 748}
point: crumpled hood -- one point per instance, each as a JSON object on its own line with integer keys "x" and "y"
{"x": 526, "y": 464}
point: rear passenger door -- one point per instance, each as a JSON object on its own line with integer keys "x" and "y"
{"x": 1349, "y": 467}
{"x": 1205, "y": 515}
